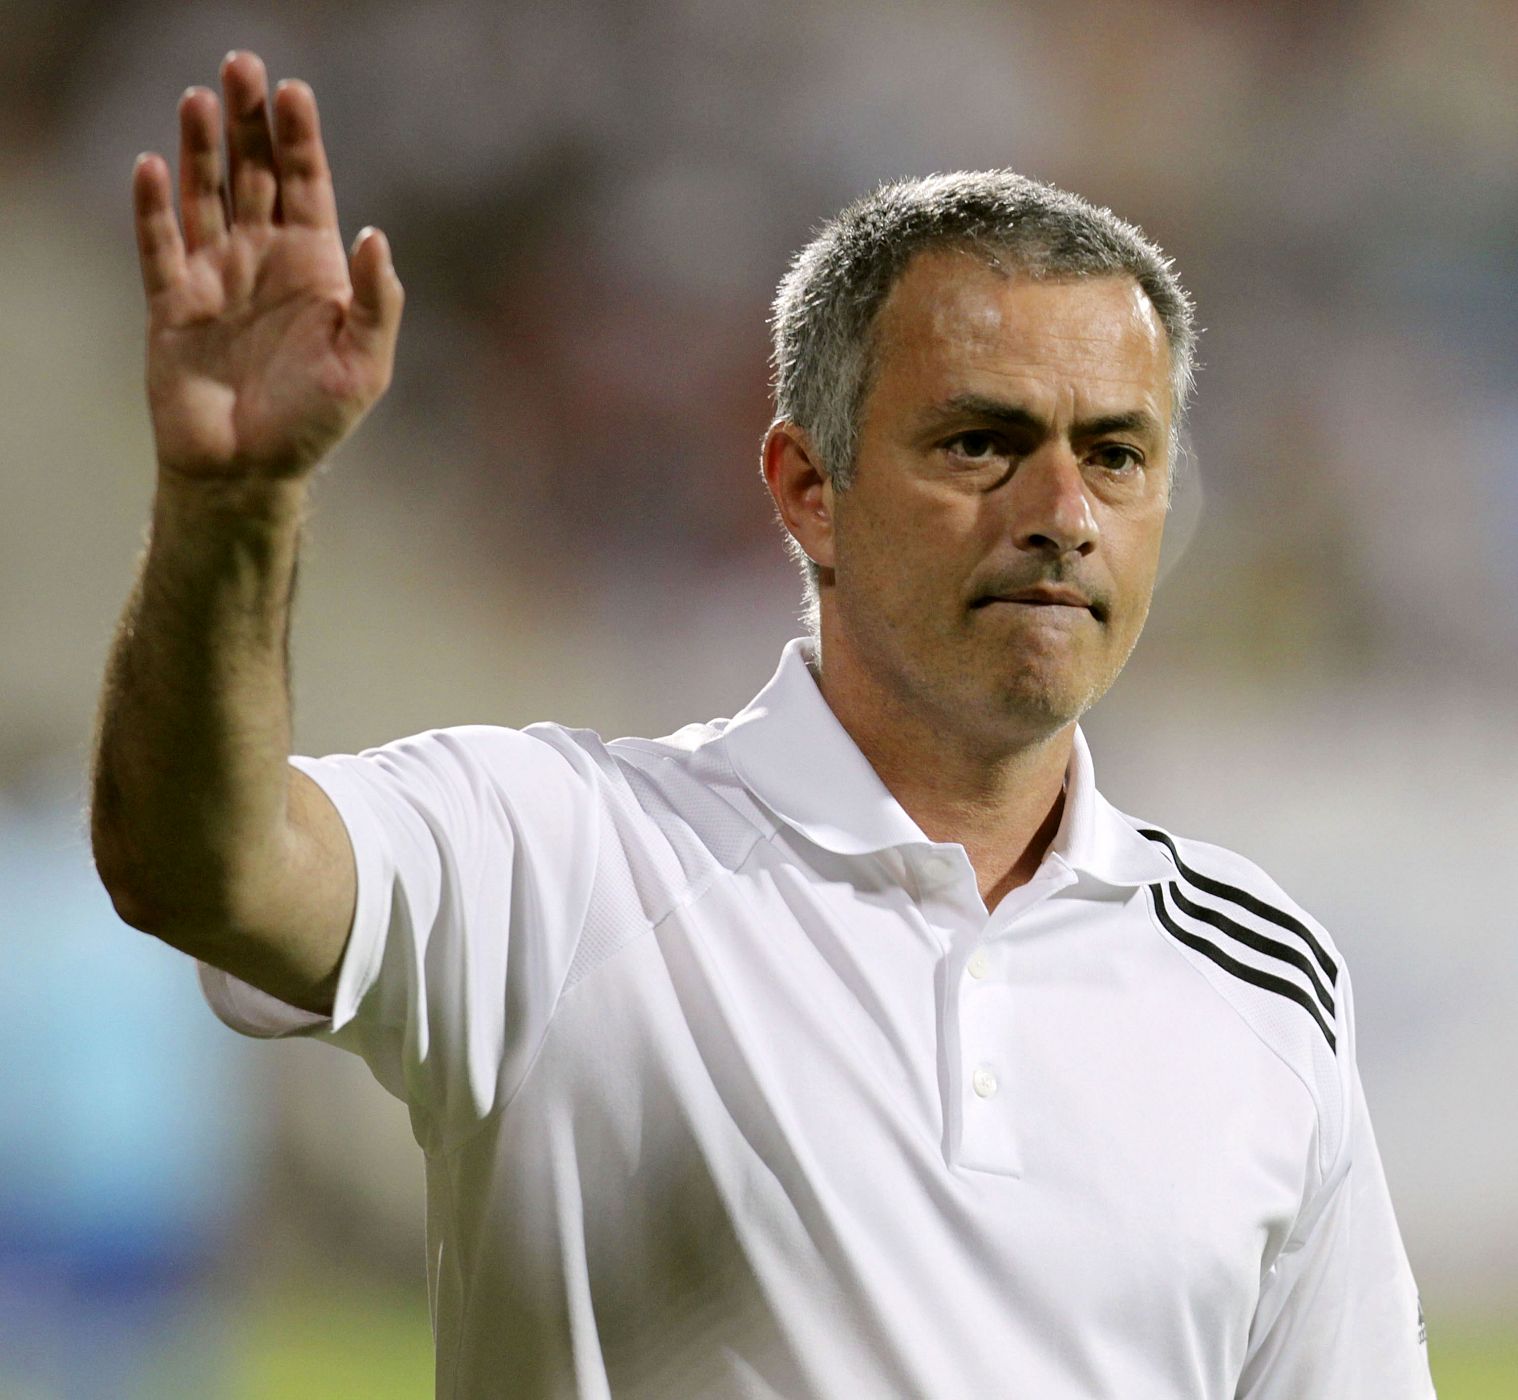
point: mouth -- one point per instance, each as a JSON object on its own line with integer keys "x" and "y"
{"x": 1045, "y": 596}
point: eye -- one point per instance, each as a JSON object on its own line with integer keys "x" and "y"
{"x": 1118, "y": 457}
{"x": 977, "y": 445}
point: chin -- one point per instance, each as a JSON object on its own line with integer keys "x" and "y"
{"x": 1045, "y": 709}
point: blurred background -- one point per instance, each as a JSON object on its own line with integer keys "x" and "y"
{"x": 557, "y": 514}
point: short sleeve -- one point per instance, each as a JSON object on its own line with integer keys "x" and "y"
{"x": 1339, "y": 1316}
{"x": 476, "y": 850}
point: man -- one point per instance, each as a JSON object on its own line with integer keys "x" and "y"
{"x": 854, "y": 1046}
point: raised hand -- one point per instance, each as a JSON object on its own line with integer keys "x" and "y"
{"x": 266, "y": 341}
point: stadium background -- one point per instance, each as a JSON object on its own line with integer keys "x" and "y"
{"x": 557, "y": 513}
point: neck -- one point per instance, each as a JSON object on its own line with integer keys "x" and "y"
{"x": 1001, "y": 801}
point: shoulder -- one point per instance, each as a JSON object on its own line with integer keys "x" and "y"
{"x": 545, "y": 753}
{"x": 675, "y": 799}
{"x": 1234, "y": 887}
{"x": 682, "y": 781}
{"x": 686, "y": 784}
{"x": 1260, "y": 950}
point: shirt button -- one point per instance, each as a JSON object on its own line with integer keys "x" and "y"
{"x": 984, "y": 1082}
{"x": 980, "y": 964}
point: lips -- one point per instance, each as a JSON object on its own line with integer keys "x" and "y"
{"x": 1044, "y": 595}
{"x": 1039, "y": 597}
{"x": 1051, "y": 597}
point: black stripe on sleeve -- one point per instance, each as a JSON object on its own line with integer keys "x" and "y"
{"x": 1243, "y": 971}
{"x": 1245, "y": 900}
{"x": 1271, "y": 947}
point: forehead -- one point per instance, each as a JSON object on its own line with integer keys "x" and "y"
{"x": 953, "y": 322}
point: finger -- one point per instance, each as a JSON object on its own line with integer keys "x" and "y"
{"x": 304, "y": 179}
{"x": 375, "y": 316}
{"x": 253, "y": 177}
{"x": 158, "y": 242}
{"x": 202, "y": 197}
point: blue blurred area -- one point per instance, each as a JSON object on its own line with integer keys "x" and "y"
{"x": 123, "y": 1137}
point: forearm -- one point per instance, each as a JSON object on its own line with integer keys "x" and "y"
{"x": 191, "y": 778}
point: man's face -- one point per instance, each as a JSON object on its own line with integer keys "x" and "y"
{"x": 995, "y": 554}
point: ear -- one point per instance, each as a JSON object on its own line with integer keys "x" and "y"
{"x": 803, "y": 494}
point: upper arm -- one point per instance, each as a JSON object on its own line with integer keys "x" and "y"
{"x": 311, "y": 912}
{"x": 282, "y": 928}
{"x": 454, "y": 869}
{"x": 1338, "y": 1317}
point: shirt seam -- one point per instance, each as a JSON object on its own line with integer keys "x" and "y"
{"x": 447, "y": 1149}
{"x": 1317, "y": 1108}
{"x": 468, "y": 1296}
{"x": 690, "y": 896}
{"x": 760, "y": 823}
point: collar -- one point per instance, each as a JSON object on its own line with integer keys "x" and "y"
{"x": 791, "y": 752}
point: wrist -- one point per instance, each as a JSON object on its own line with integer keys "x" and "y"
{"x": 271, "y": 501}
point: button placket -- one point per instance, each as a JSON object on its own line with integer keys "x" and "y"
{"x": 943, "y": 880}
{"x": 988, "y": 1124}
{"x": 981, "y": 1127}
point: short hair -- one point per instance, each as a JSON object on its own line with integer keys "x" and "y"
{"x": 826, "y": 307}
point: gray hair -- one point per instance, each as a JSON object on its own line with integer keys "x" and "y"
{"x": 825, "y": 309}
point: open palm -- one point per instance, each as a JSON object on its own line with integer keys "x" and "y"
{"x": 266, "y": 341}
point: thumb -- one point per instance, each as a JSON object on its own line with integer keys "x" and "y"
{"x": 375, "y": 315}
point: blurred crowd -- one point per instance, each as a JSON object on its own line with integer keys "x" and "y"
{"x": 590, "y": 202}
{"x": 557, "y": 511}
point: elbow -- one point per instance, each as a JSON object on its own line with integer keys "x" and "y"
{"x": 193, "y": 928}
{"x": 112, "y": 868}
{"x": 139, "y": 901}
{"x": 113, "y": 863}
{"x": 180, "y": 895}
{"x": 126, "y": 898}
{"x": 153, "y": 891}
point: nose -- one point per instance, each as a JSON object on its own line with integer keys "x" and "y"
{"x": 1051, "y": 511}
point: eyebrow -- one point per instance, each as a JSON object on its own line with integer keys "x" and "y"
{"x": 1011, "y": 415}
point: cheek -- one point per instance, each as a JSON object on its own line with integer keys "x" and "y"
{"x": 909, "y": 544}
{"x": 1135, "y": 568}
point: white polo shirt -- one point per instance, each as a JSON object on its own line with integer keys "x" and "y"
{"x": 729, "y": 1084}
